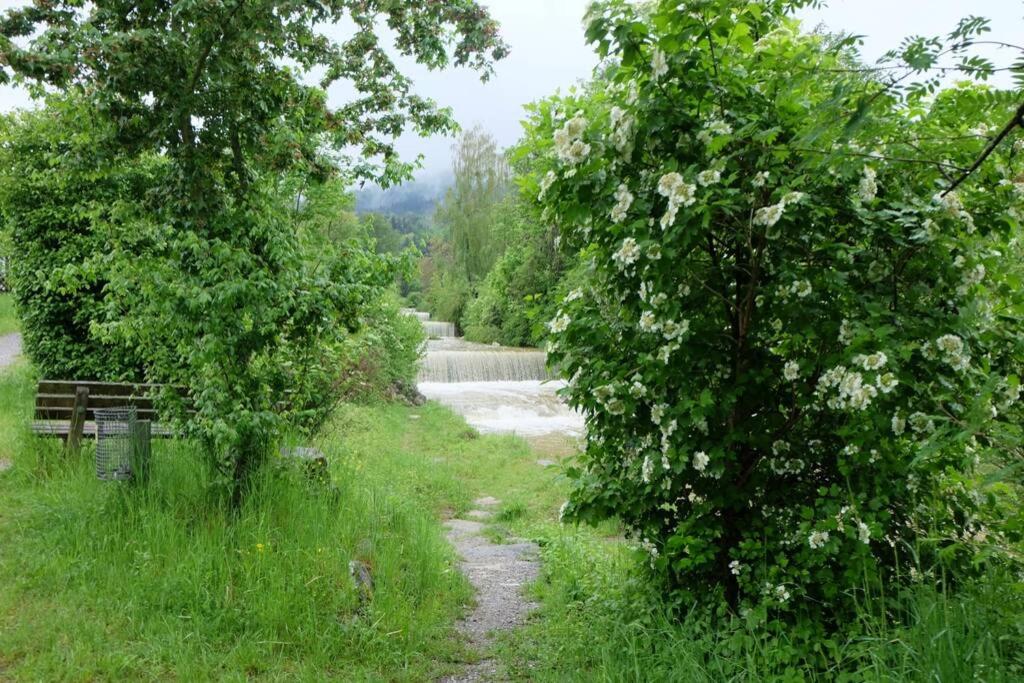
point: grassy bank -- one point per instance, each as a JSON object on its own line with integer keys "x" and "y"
{"x": 8, "y": 319}
{"x": 106, "y": 582}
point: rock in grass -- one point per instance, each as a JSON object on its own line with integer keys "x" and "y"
{"x": 363, "y": 580}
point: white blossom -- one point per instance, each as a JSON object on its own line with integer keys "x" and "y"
{"x": 802, "y": 289}
{"x": 792, "y": 371}
{"x": 659, "y": 64}
{"x": 709, "y": 177}
{"x": 899, "y": 425}
{"x": 817, "y": 539}
{"x": 874, "y": 361}
{"x": 625, "y": 200}
{"x": 627, "y": 254}
{"x": 648, "y": 322}
{"x": 761, "y": 179}
{"x": 559, "y": 324}
{"x": 700, "y": 461}
{"x": 868, "y": 189}
{"x": 887, "y": 382}
{"x": 769, "y": 215}
{"x": 647, "y": 469}
{"x": 545, "y": 184}
{"x": 863, "y": 533}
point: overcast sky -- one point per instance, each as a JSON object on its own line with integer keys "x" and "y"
{"x": 548, "y": 52}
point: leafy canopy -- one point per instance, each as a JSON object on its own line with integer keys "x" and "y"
{"x": 795, "y": 345}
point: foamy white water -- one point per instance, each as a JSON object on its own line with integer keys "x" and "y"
{"x": 525, "y": 408}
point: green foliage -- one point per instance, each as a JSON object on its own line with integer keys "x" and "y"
{"x": 381, "y": 361}
{"x": 795, "y": 348}
{"x": 8, "y": 318}
{"x": 56, "y": 188}
{"x": 209, "y": 280}
{"x": 522, "y": 288}
{"x": 469, "y": 209}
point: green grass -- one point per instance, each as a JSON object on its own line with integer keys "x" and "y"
{"x": 8, "y": 319}
{"x": 103, "y": 582}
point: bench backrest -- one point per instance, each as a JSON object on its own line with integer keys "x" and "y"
{"x": 55, "y": 399}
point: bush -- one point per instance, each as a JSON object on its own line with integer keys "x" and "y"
{"x": 793, "y": 353}
{"x": 521, "y": 289}
{"x": 55, "y": 192}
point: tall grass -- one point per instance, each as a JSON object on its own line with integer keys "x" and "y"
{"x": 108, "y": 581}
{"x": 600, "y": 621}
{"x": 103, "y": 582}
{"x": 8, "y": 318}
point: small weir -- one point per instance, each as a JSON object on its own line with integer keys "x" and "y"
{"x": 496, "y": 388}
{"x": 434, "y": 328}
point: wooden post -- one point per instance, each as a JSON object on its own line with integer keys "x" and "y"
{"x": 74, "y": 442}
{"x": 140, "y": 443}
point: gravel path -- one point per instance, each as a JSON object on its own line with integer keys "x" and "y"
{"x": 498, "y": 574}
{"x": 10, "y": 348}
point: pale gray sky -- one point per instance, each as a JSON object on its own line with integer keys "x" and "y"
{"x": 548, "y": 52}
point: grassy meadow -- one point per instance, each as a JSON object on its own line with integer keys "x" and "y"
{"x": 113, "y": 582}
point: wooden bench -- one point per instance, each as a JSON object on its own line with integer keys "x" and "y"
{"x": 66, "y": 408}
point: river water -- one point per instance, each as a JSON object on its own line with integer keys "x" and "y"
{"x": 499, "y": 390}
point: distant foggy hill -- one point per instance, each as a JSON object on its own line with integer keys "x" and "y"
{"x": 418, "y": 197}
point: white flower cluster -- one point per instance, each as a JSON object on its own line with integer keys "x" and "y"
{"x": 709, "y": 177}
{"x": 974, "y": 276}
{"x": 768, "y": 216}
{"x": 700, "y": 461}
{"x": 952, "y": 204}
{"x": 817, "y": 539}
{"x": 623, "y": 125}
{"x": 624, "y": 199}
{"x": 569, "y": 143}
{"x": 679, "y": 193}
{"x": 659, "y": 64}
{"x": 792, "y": 371}
{"x": 574, "y": 295}
{"x": 605, "y": 395}
{"x": 868, "y": 189}
{"x": 559, "y": 324}
{"x": 851, "y": 389}
{"x": 627, "y": 254}
{"x": 715, "y": 128}
{"x": 647, "y": 469}
{"x": 953, "y": 352}
{"x": 761, "y": 179}
{"x": 545, "y": 184}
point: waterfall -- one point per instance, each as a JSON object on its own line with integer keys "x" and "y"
{"x": 436, "y": 328}
{"x": 421, "y": 315}
{"x": 504, "y": 365}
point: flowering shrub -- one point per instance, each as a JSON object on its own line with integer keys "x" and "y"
{"x": 795, "y": 347}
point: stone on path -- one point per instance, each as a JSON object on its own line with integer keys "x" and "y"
{"x": 480, "y": 514}
{"x": 10, "y": 348}
{"x": 498, "y": 574}
{"x": 5, "y": 465}
{"x": 546, "y": 463}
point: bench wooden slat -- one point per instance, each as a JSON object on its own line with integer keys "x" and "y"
{"x": 90, "y": 413}
{"x": 61, "y": 428}
{"x": 95, "y": 401}
{"x": 65, "y": 387}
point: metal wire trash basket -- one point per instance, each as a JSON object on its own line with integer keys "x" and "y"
{"x": 122, "y": 444}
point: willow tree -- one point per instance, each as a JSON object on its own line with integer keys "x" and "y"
{"x": 468, "y": 212}
{"x": 209, "y": 282}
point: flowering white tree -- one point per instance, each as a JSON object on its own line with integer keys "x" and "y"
{"x": 796, "y": 345}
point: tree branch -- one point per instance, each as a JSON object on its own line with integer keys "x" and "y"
{"x": 1017, "y": 120}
